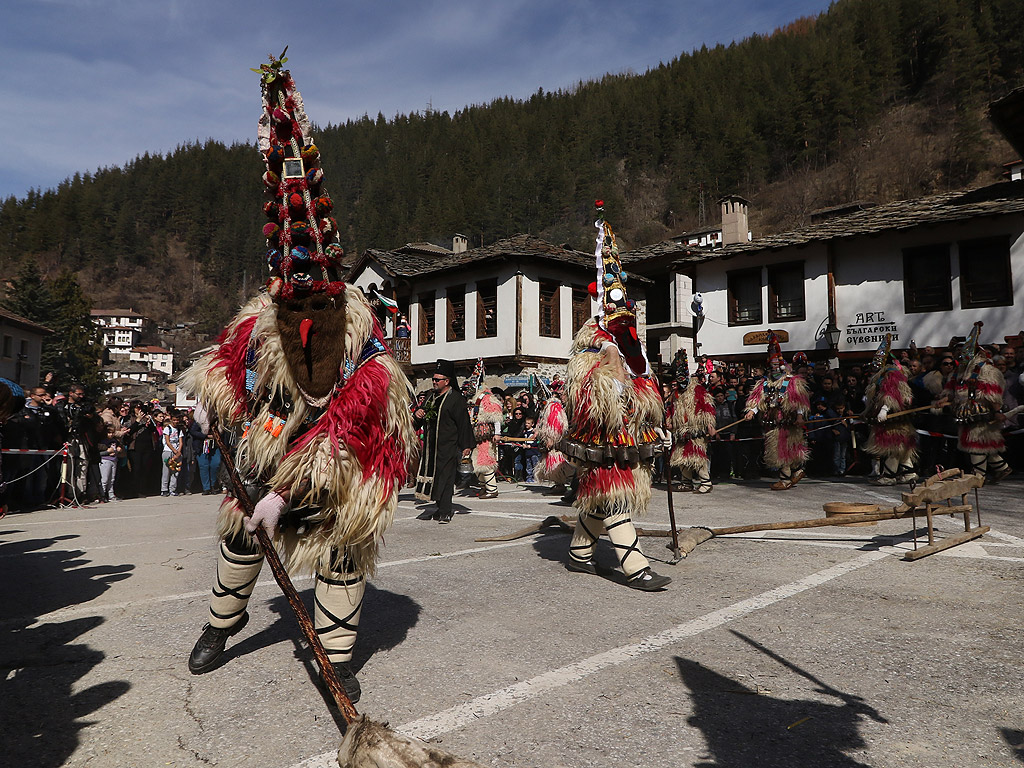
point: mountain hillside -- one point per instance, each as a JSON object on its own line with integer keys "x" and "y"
{"x": 874, "y": 99}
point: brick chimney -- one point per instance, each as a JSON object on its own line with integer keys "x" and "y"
{"x": 734, "y": 219}
{"x": 459, "y": 243}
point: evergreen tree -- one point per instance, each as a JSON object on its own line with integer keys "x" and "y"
{"x": 73, "y": 351}
{"x": 29, "y": 296}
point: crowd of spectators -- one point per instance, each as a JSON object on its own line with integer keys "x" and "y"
{"x": 835, "y": 436}
{"x": 117, "y": 449}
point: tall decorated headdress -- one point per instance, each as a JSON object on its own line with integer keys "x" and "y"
{"x": 971, "y": 346}
{"x": 616, "y": 311}
{"x": 679, "y": 371}
{"x": 304, "y": 254}
{"x": 476, "y": 379}
{"x": 883, "y": 354}
{"x": 775, "y": 350}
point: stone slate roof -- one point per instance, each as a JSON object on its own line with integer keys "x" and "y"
{"x": 24, "y": 322}
{"x": 998, "y": 199}
{"x": 404, "y": 264}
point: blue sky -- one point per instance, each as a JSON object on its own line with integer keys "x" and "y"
{"x": 93, "y": 83}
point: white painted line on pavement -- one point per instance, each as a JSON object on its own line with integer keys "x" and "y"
{"x": 103, "y": 608}
{"x": 114, "y": 546}
{"x": 455, "y": 717}
{"x": 10, "y": 520}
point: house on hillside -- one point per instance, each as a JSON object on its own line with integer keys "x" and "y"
{"x": 21, "y": 347}
{"x": 922, "y": 270}
{"x": 516, "y": 303}
{"x": 120, "y": 329}
{"x": 156, "y": 358}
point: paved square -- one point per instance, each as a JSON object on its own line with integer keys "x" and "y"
{"x": 814, "y": 647}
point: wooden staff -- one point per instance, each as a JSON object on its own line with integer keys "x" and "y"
{"x": 671, "y": 509}
{"x": 348, "y": 711}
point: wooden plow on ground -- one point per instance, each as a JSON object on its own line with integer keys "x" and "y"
{"x": 929, "y": 500}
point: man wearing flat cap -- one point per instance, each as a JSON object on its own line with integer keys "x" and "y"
{"x": 447, "y": 439}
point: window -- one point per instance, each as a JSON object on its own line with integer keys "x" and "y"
{"x": 427, "y": 318}
{"x": 985, "y": 278}
{"x": 926, "y": 280}
{"x": 550, "y": 309}
{"x": 456, "y": 303}
{"x": 486, "y": 309}
{"x": 745, "y": 297}
{"x": 580, "y": 307}
{"x": 786, "y": 292}
{"x": 8, "y": 343}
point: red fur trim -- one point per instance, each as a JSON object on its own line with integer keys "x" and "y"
{"x": 357, "y": 418}
{"x": 797, "y": 394}
{"x": 230, "y": 356}
{"x": 693, "y": 449}
{"x": 604, "y": 480}
{"x": 889, "y": 386}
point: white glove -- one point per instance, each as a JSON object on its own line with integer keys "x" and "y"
{"x": 267, "y": 514}
{"x": 883, "y": 413}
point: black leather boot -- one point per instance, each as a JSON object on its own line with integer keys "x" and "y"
{"x": 210, "y": 646}
{"x": 347, "y": 679}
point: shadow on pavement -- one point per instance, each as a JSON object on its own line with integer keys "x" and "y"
{"x": 743, "y": 727}
{"x": 1015, "y": 738}
{"x": 40, "y": 712}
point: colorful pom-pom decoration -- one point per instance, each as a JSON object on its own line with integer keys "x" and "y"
{"x": 274, "y": 286}
{"x": 324, "y": 204}
{"x": 615, "y": 294}
{"x": 300, "y": 230}
{"x": 271, "y": 179}
{"x": 328, "y": 225}
{"x": 272, "y": 209}
{"x": 270, "y": 229}
{"x": 334, "y": 252}
{"x": 622, "y": 276}
{"x": 300, "y": 253}
{"x": 275, "y": 155}
{"x": 609, "y": 278}
{"x": 302, "y": 281}
{"x": 274, "y": 260}
{"x": 279, "y": 115}
{"x": 592, "y": 289}
{"x": 296, "y": 201}
{"x": 310, "y": 153}
{"x": 314, "y": 176}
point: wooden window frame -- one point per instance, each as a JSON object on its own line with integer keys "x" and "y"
{"x": 551, "y": 306}
{"x": 774, "y": 316}
{"x": 427, "y": 322}
{"x": 454, "y": 298}
{"x": 581, "y": 309}
{"x": 738, "y": 274}
{"x": 985, "y": 244}
{"x": 911, "y": 304}
{"x": 491, "y": 287}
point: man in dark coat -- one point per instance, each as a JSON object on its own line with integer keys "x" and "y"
{"x": 447, "y": 439}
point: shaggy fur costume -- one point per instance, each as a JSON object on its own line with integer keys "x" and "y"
{"x": 611, "y": 431}
{"x": 348, "y": 459}
{"x": 892, "y": 438}
{"x": 977, "y": 395}
{"x": 485, "y": 423}
{"x": 692, "y": 419}
{"x": 551, "y": 427}
{"x": 781, "y": 403}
